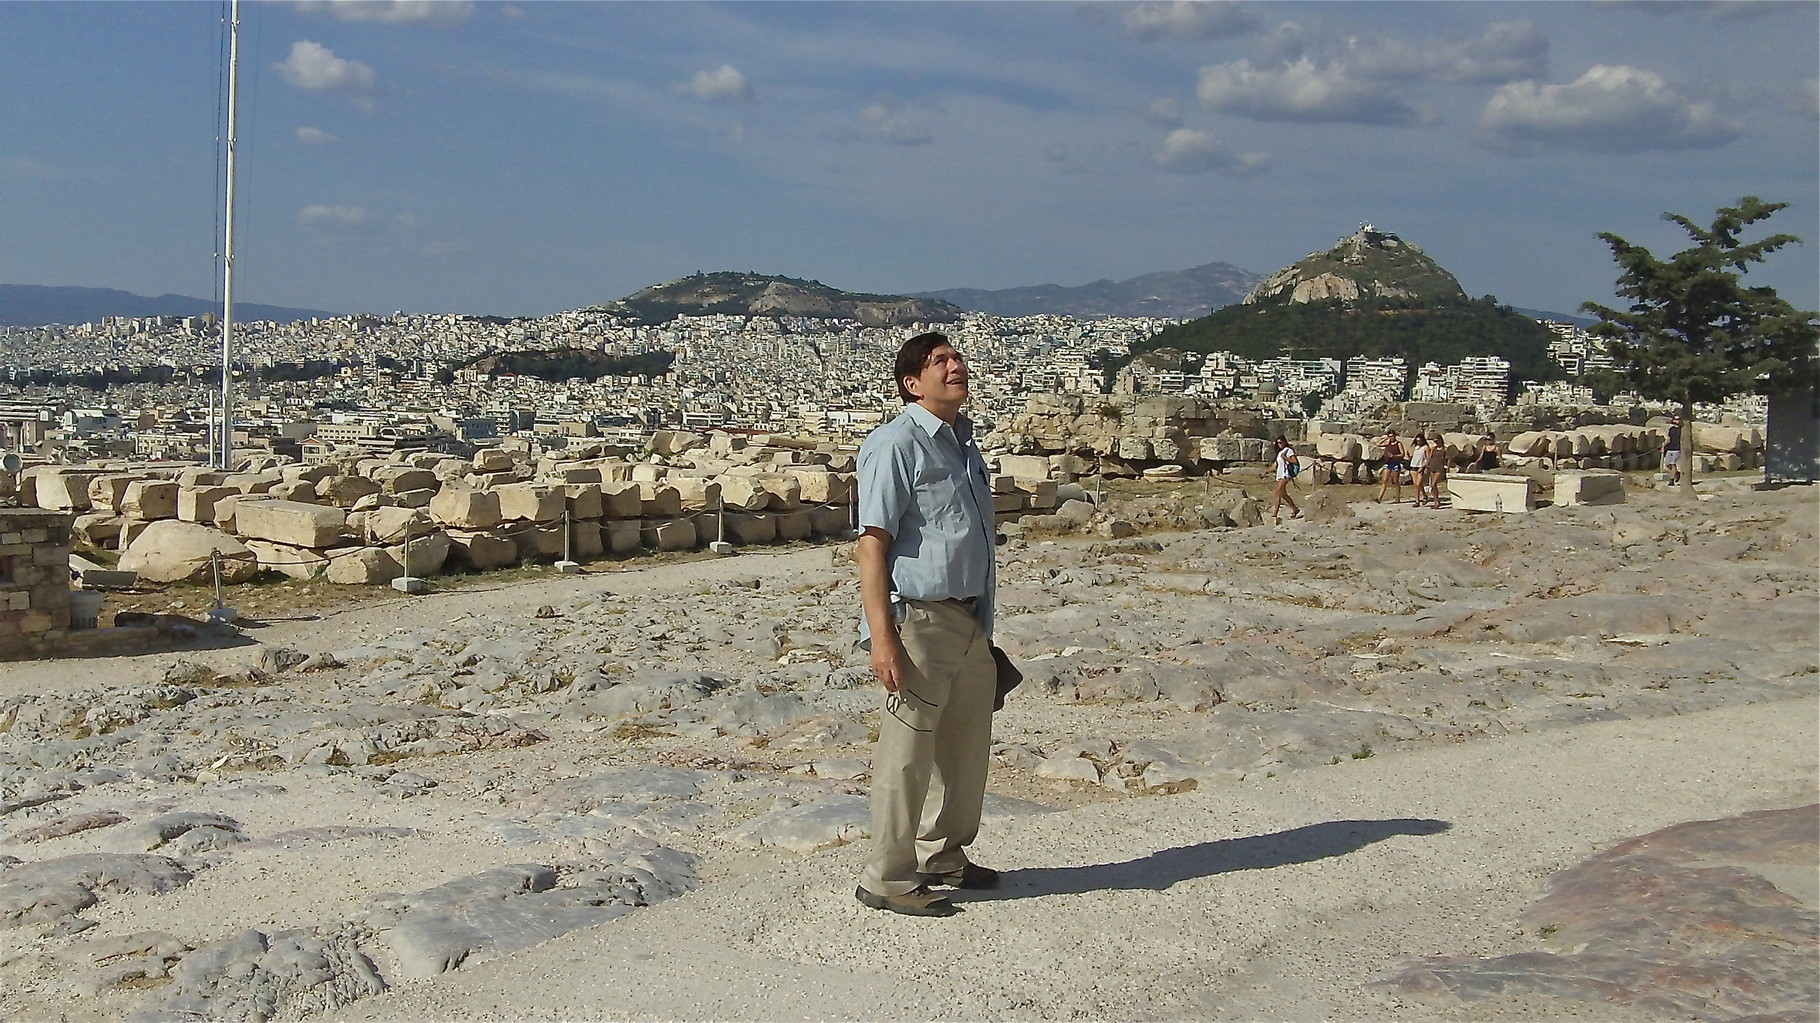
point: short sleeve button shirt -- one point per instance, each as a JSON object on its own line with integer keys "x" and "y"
{"x": 924, "y": 482}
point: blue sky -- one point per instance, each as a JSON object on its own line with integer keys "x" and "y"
{"x": 530, "y": 157}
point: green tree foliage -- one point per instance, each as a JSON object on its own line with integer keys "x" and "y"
{"x": 566, "y": 363}
{"x": 1383, "y": 328}
{"x": 1693, "y": 332}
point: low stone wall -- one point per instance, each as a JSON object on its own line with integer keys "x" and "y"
{"x": 34, "y": 582}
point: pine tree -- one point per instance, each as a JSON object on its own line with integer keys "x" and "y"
{"x": 1693, "y": 332}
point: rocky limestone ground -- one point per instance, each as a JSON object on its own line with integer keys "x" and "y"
{"x": 1396, "y": 763}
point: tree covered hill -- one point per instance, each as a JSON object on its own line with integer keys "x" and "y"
{"x": 747, "y": 294}
{"x": 1373, "y": 295}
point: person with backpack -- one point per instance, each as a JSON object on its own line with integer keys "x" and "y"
{"x": 1288, "y": 468}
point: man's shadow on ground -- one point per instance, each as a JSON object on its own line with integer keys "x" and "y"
{"x": 1161, "y": 869}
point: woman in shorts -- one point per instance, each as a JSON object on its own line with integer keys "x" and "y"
{"x": 1287, "y": 467}
{"x": 1395, "y": 462}
{"x": 1418, "y": 465}
{"x": 1437, "y": 468}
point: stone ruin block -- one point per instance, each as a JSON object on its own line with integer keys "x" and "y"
{"x": 830, "y": 519}
{"x": 292, "y": 491}
{"x": 1254, "y": 449}
{"x": 621, "y": 499}
{"x": 1132, "y": 449}
{"x": 64, "y": 489}
{"x": 795, "y": 525}
{"x": 396, "y": 479}
{"x": 673, "y": 534}
{"x": 584, "y": 501}
{"x": 695, "y": 493}
{"x": 303, "y": 563}
{"x": 573, "y": 474}
{"x": 362, "y": 566}
{"x": 823, "y": 487}
{"x": 1588, "y": 488}
{"x": 1030, "y": 467}
{"x": 391, "y": 524}
{"x": 621, "y": 536}
{"x": 107, "y": 491}
{"x": 745, "y": 493}
{"x": 1222, "y": 449}
{"x": 343, "y": 491}
{"x": 1039, "y": 493}
{"x": 462, "y": 508}
{"x": 659, "y": 500}
{"x": 493, "y": 460}
{"x": 292, "y": 522}
{"x": 750, "y": 527}
{"x": 585, "y": 540}
{"x": 311, "y": 474}
{"x": 530, "y": 502}
{"x": 149, "y": 500}
{"x": 1492, "y": 492}
{"x": 480, "y": 550}
{"x": 253, "y": 482}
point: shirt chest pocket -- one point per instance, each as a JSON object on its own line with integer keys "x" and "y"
{"x": 940, "y": 492}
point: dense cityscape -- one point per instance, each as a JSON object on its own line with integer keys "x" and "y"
{"x": 145, "y": 388}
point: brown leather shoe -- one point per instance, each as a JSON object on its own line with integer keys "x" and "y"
{"x": 970, "y": 876}
{"x": 919, "y": 901}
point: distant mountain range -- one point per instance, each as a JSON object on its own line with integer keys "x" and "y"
{"x": 1178, "y": 294}
{"x": 34, "y": 305}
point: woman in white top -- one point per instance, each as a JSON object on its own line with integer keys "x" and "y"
{"x": 1287, "y": 467}
{"x": 1418, "y": 465}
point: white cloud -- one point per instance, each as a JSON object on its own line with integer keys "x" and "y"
{"x": 724, "y": 84}
{"x": 1506, "y": 50}
{"x": 333, "y": 216}
{"x": 314, "y": 136}
{"x": 392, "y": 12}
{"x": 1166, "y": 112}
{"x": 1611, "y": 108}
{"x": 1188, "y": 19}
{"x": 885, "y": 121}
{"x": 313, "y": 66}
{"x": 1705, "y": 10}
{"x": 1193, "y": 151}
{"x": 1300, "y": 91}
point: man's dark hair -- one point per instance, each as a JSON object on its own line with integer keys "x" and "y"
{"x": 913, "y": 357}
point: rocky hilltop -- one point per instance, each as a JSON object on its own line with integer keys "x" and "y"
{"x": 1370, "y": 264}
{"x": 748, "y": 294}
{"x": 1179, "y": 294}
{"x": 1372, "y": 294}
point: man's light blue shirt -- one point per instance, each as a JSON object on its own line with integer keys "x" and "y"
{"x": 925, "y": 483}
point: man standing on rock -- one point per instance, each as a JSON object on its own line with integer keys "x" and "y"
{"x": 926, "y": 578}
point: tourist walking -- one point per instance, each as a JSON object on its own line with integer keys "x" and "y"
{"x": 1437, "y": 468}
{"x": 1395, "y": 459}
{"x": 1671, "y": 451}
{"x": 1288, "y": 466}
{"x": 926, "y": 576}
{"x": 1418, "y": 465}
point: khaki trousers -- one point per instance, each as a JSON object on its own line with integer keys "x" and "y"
{"x": 934, "y": 744}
